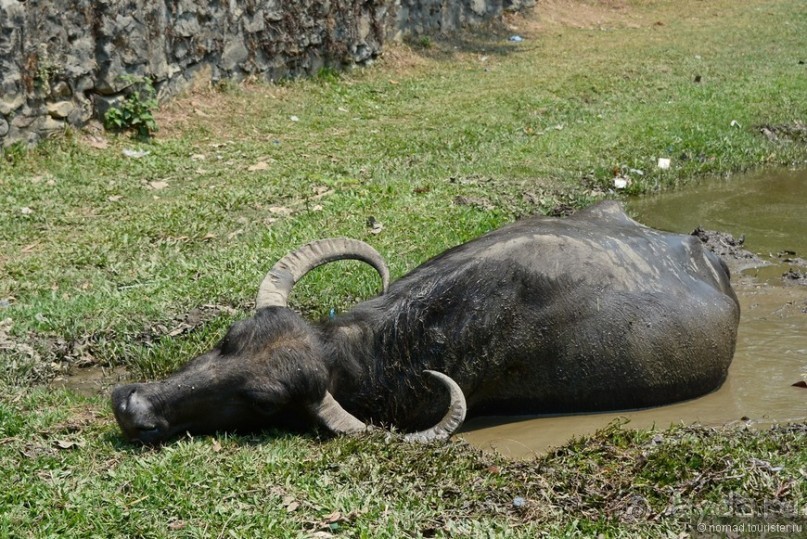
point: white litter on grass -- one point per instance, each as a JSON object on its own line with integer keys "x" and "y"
{"x": 663, "y": 163}
{"x": 621, "y": 182}
{"x": 135, "y": 154}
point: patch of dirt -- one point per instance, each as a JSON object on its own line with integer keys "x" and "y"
{"x": 12, "y": 346}
{"x": 793, "y": 132}
{"x": 214, "y": 108}
{"x": 577, "y": 14}
{"x": 729, "y": 249}
{"x": 737, "y": 258}
{"x": 91, "y": 381}
{"x": 80, "y": 364}
{"x": 794, "y": 276}
{"x": 184, "y": 323}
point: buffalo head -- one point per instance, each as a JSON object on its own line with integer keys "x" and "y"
{"x": 269, "y": 370}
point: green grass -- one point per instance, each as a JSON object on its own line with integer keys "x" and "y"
{"x": 65, "y": 472}
{"x": 109, "y": 245}
{"x": 102, "y": 256}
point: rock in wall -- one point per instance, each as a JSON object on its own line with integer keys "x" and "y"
{"x": 63, "y": 62}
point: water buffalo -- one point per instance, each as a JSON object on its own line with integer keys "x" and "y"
{"x": 547, "y": 315}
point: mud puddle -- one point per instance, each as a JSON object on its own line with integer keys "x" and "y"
{"x": 91, "y": 381}
{"x": 81, "y": 372}
{"x": 768, "y": 211}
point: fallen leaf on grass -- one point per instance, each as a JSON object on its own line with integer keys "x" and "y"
{"x": 231, "y": 235}
{"x": 336, "y": 516}
{"x": 179, "y": 330}
{"x": 290, "y": 503}
{"x": 157, "y": 185}
{"x": 115, "y": 198}
{"x": 68, "y": 444}
{"x": 321, "y": 191}
{"x": 33, "y": 451}
{"x": 177, "y": 525}
{"x": 135, "y": 154}
{"x": 475, "y": 202}
{"x": 281, "y": 210}
{"x": 260, "y": 165}
{"x": 216, "y": 446}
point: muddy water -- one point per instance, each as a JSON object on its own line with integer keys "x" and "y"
{"x": 770, "y": 209}
{"x": 91, "y": 381}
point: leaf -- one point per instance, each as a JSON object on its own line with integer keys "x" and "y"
{"x": 260, "y": 165}
{"x": 158, "y": 185}
{"x": 280, "y": 210}
{"x": 293, "y": 506}
{"x": 177, "y": 525}
{"x": 115, "y": 198}
{"x": 216, "y": 446}
{"x": 68, "y": 444}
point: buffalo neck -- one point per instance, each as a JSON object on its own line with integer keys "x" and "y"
{"x": 372, "y": 372}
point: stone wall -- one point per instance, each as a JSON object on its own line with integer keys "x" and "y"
{"x": 63, "y": 62}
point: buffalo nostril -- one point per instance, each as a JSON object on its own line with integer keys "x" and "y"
{"x": 124, "y": 403}
{"x": 122, "y": 396}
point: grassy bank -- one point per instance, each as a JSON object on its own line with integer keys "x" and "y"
{"x": 142, "y": 262}
{"x": 67, "y": 473}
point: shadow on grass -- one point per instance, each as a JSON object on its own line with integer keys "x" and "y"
{"x": 489, "y": 39}
{"x": 117, "y": 441}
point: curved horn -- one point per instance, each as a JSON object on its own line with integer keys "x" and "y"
{"x": 277, "y": 284}
{"x": 337, "y": 419}
{"x": 451, "y": 420}
{"x": 331, "y": 414}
